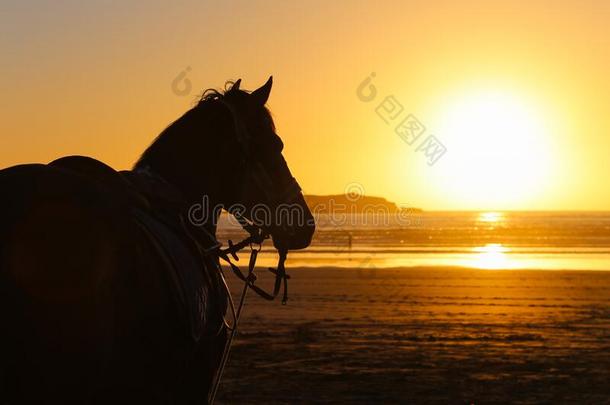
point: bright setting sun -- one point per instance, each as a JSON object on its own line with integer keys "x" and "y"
{"x": 501, "y": 147}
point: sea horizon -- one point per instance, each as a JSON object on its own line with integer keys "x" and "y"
{"x": 489, "y": 240}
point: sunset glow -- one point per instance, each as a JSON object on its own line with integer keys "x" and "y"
{"x": 517, "y": 95}
{"x": 224, "y": 202}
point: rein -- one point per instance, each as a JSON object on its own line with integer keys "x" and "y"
{"x": 254, "y": 241}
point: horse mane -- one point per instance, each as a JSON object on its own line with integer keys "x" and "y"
{"x": 187, "y": 124}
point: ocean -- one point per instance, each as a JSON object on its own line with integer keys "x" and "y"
{"x": 479, "y": 240}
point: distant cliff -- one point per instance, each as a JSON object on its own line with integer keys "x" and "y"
{"x": 325, "y": 204}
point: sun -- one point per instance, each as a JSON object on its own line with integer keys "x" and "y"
{"x": 499, "y": 150}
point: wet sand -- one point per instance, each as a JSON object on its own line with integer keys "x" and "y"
{"x": 425, "y": 335}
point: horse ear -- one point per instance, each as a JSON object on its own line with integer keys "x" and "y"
{"x": 262, "y": 95}
{"x": 236, "y": 85}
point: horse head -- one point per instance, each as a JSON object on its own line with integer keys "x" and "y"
{"x": 268, "y": 195}
{"x": 227, "y": 148}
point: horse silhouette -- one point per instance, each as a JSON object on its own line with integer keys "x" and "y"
{"x": 108, "y": 292}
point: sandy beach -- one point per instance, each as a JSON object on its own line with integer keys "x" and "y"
{"x": 425, "y": 335}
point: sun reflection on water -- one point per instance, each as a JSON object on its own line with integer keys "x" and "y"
{"x": 490, "y": 216}
{"x": 491, "y": 256}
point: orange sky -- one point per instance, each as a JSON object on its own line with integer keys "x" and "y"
{"x": 518, "y": 92}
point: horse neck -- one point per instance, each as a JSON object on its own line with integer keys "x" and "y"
{"x": 197, "y": 173}
{"x": 202, "y": 194}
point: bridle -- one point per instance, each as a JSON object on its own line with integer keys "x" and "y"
{"x": 258, "y": 174}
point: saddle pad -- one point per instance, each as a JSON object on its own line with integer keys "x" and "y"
{"x": 153, "y": 203}
{"x": 185, "y": 271}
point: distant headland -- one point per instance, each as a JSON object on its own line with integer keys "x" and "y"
{"x": 360, "y": 204}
